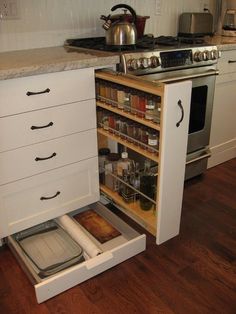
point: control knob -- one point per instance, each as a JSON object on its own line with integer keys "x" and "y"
{"x": 214, "y": 54}
{"x": 144, "y": 63}
{"x": 133, "y": 64}
{"x": 198, "y": 56}
{"x": 154, "y": 62}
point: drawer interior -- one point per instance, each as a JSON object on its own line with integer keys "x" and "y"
{"x": 125, "y": 244}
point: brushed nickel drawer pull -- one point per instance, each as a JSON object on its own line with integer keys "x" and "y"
{"x": 47, "y": 90}
{"x": 45, "y": 198}
{"x": 182, "y": 113}
{"x": 232, "y": 61}
{"x": 45, "y": 158}
{"x": 34, "y": 127}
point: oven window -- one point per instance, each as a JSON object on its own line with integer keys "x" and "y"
{"x": 198, "y": 108}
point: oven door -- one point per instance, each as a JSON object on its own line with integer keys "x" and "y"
{"x": 203, "y": 85}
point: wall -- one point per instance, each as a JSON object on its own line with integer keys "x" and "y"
{"x": 45, "y": 23}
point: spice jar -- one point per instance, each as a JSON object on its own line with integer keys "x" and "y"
{"x": 152, "y": 141}
{"x": 157, "y": 110}
{"x": 144, "y": 137}
{"x": 111, "y": 122}
{"x": 142, "y": 105}
{"x": 150, "y": 106}
{"x": 111, "y": 169}
{"x": 102, "y": 156}
{"x": 120, "y": 97}
{"x": 114, "y": 95}
{"x": 127, "y": 97}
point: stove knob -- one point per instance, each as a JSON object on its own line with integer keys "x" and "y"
{"x": 154, "y": 62}
{"x": 144, "y": 63}
{"x": 205, "y": 55}
{"x": 198, "y": 56}
{"x": 133, "y": 64}
{"x": 214, "y": 54}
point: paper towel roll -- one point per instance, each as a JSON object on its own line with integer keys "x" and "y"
{"x": 76, "y": 232}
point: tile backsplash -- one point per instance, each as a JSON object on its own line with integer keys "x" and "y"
{"x": 45, "y": 23}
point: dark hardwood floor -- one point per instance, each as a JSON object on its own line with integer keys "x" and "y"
{"x": 192, "y": 273}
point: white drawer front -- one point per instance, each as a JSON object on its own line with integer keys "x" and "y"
{"x": 65, "y": 87}
{"x": 227, "y": 63}
{"x": 127, "y": 245}
{"x": 30, "y": 160}
{"x": 41, "y": 125}
{"x": 21, "y": 203}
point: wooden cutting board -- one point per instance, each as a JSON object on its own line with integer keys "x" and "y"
{"x": 100, "y": 228}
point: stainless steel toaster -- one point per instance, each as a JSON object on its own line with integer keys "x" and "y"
{"x": 195, "y": 24}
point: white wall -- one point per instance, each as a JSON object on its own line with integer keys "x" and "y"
{"x": 45, "y": 23}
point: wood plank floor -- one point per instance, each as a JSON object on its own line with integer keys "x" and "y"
{"x": 192, "y": 273}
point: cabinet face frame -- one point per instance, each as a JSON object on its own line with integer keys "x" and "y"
{"x": 172, "y": 151}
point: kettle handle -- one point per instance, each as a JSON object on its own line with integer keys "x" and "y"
{"x": 125, "y": 6}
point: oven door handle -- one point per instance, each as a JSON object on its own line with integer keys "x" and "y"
{"x": 187, "y": 77}
{"x": 207, "y": 154}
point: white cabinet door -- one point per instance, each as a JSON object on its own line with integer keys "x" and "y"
{"x": 172, "y": 158}
{"x": 223, "y": 128}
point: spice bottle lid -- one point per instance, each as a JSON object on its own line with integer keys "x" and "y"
{"x": 124, "y": 155}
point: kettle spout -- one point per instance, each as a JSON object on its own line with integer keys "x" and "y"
{"x": 107, "y": 25}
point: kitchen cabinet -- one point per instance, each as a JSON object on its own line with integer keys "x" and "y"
{"x": 56, "y": 148}
{"x": 223, "y": 129}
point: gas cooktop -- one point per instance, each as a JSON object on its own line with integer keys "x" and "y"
{"x": 146, "y": 43}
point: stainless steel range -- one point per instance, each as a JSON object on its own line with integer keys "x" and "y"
{"x": 168, "y": 60}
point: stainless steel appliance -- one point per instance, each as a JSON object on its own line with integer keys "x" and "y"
{"x": 166, "y": 59}
{"x": 195, "y": 24}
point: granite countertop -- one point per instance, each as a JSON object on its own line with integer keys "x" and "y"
{"x": 222, "y": 42}
{"x": 21, "y": 63}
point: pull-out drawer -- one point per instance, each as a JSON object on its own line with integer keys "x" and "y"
{"x": 114, "y": 251}
{"x": 30, "y": 160}
{"x": 30, "y": 201}
{"x": 45, "y": 90}
{"x": 42, "y": 125}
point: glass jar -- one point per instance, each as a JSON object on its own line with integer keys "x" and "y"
{"x": 123, "y": 128}
{"x": 157, "y": 110}
{"x": 108, "y": 93}
{"x": 102, "y": 156}
{"x": 130, "y": 131}
{"x": 111, "y": 169}
{"x": 102, "y": 89}
{"x": 150, "y": 106}
{"x": 120, "y": 97}
{"x": 105, "y": 120}
{"x": 100, "y": 113}
{"x": 127, "y": 103}
{"x": 144, "y": 137}
{"x": 147, "y": 187}
{"x": 111, "y": 122}
{"x": 153, "y": 141}
{"x": 134, "y": 102}
{"x": 114, "y": 88}
{"x": 142, "y": 105}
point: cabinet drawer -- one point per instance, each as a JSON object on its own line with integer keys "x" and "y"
{"x": 21, "y": 203}
{"x": 30, "y": 160}
{"x": 42, "y": 125}
{"x": 115, "y": 251}
{"x": 227, "y": 63}
{"x": 53, "y": 89}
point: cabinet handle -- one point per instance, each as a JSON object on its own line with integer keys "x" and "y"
{"x": 45, "y": 158}
{"x": 47, "y": 90}
{"x": 44, "y": 198}
{"x": 232, "y": 61}
{"x": 182, "y": 113}
{"x": 34, "y": 127}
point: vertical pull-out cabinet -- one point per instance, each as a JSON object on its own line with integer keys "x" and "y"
{"x": 73, "y": 188}
{"x": 163, "y": 221}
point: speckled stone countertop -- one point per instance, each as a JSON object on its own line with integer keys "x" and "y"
{"x": 21, "y": 63}
{"x": 222, "y": 42}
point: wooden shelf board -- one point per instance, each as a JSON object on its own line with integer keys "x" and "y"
{"x": 149, "y": 124}
{"x": 135, "y": 148}
{"x": 154, "y": 88}
{"x": 146, "y": 219}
